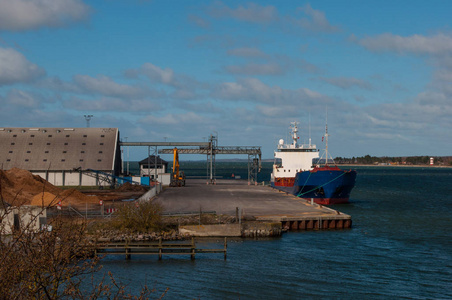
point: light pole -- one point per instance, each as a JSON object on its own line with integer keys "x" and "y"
{"x": 88, "y": 118}
{"x": 127, "y": 158}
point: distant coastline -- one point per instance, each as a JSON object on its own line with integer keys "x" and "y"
{"x": 408, "y": 166}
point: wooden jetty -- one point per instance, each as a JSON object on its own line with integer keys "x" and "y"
{"x": 151, "y": 248}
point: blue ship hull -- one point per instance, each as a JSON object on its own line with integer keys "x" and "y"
{"x": 326, "y": 185}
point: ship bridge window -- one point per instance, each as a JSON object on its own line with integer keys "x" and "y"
{"x": 278, "y": 162}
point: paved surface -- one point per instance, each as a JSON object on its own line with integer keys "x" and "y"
{"x": 262, "y": 202}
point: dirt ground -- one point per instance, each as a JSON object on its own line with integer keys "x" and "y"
{"x": 20, "y": 187}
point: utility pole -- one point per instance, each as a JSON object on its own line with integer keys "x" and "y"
{"x": 88, "y": 118}
{"x": 127, "y": 157}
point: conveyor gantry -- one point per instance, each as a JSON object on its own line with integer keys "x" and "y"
{"x": 211, "y": 150}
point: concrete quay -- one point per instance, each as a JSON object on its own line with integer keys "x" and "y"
{"x": 261, "y": 203}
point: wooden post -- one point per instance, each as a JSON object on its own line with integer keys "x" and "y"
{"x": 225, "y": 247}
{"x": 127, "y": 249}
{"x": 192, "y": 248}
{"x": 160, "y": 248}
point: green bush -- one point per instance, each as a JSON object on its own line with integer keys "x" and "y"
{"x": 139, "y": 217}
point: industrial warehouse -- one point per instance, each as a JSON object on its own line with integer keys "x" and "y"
{"x": 61, "y": 155}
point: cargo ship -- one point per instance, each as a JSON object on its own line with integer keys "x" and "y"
{"x": 298, "y": 170}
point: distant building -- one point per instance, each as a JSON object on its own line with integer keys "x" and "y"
{"x": 62, "y": 155}
{"x": 431, "y": 161}
{"x": 152, "y": 166}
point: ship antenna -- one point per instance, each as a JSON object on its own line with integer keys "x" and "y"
{"x": 309, "y": 129}
{"x": 326, "y": 137}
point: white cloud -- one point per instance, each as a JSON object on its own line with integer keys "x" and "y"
{"x": 198, "y": 21}
{"x": 106, "y": 86}
{"x": 314, "y": 20}
{"x": 255, "y": 69}
{"x": 154, "y": 73}
{"x": 15, "y": 68}
{"x": 347, "y": 82}
{"x": 252, "y": 89}
{"x": 251, "y": 12}
{"x": 246, "y": 52}
{"x": 184, "y": 86}
{"x": 418, "y": 44}
{"x": 19, "y": 15}
{"x": 180, "y": 120}
{"x": 21, "y": 99}
{"x": 111, "y": 104}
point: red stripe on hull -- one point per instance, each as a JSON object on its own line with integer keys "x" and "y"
{"x": 288, "y": 181}
{"x": 329, "y": 201}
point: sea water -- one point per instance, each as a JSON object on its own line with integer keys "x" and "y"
{"x": 400, "y": 246}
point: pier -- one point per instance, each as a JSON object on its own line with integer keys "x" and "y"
{"x": 152, "y": 248}
{"x": 252, "y": 202}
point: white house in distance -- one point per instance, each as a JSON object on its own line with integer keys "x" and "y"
{"x": 152, "y": 166}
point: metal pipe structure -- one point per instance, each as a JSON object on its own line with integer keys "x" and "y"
{"x": 211, "y": 149}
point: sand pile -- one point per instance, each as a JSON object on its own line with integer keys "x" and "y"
{"x": 128, "y": 187}
{"x": 20, "y": 187}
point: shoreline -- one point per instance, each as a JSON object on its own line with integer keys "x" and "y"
{"x": 408, "y": 166}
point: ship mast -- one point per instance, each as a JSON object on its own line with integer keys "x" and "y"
{"x": 294, "y": 133}
{"x": 309, "y": 130}
{"x": 326, "y": 138}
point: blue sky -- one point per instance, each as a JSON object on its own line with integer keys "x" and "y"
{"x": 182, "y": 70}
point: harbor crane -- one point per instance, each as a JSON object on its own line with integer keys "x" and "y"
{"x": 177, "y": 176}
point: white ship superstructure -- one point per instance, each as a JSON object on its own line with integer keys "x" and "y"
{"x": 294, "y": 157}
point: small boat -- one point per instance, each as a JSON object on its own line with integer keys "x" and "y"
{"x": 297, "y": 170}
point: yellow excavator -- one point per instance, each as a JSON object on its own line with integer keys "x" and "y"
{"x": 177, "y": 176}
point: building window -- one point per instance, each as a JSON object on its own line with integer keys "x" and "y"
{"x": 48, "y": 144}
{"x": 102, "y": 135}
{"x": 100, "y": 151}
{"x": 30, "y": 144}
{"x": 10, "y": 151}
{"x": 101, "y": 144}
{"x": 82, "y": 152}
{"x": 85, "y": 135}
{"x": 64, "y": 151}
{"x": 46, "y": 152}
{"x": 28, "y": 151}
{"x": 99, "y": 160}
{"x": 15, "y": 135}
{"x": 63, "y": 160}
{"x": 67, "y": 135}
{"x": 26, "y": 159}
{"x": 23, "y": 131}
{"x": 8, "y": 159}
{"x": 49, "y": 135}
{"x": 32, "y": 135}
{"x": 12, "y": 144}
{"x": 66, "y": 144}
{"x": 81, "y": 160}
{"x": 83, "y": 144}
{"x": 44, "y": 160}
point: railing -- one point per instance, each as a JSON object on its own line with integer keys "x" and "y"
{"x": 151, "y": 248}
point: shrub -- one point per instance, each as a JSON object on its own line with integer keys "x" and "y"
{"x": 139, "y": 217}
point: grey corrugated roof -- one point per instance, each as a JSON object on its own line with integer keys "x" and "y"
{"x": 58, "y": 148}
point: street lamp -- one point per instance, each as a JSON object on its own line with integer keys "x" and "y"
{"x": 88, "y": 118}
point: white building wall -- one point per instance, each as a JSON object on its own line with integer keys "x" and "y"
{"x": 30, "y": 218}
{"x": 70, "y": 179}
{"x": 165, "y": 179}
